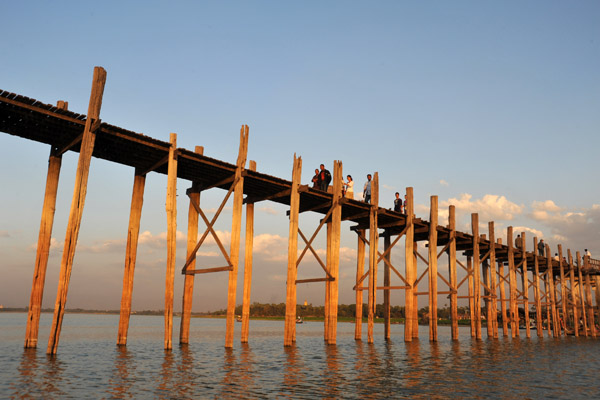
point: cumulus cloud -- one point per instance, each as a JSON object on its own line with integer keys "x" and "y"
{"x": 490, "y": 207}
{"x": 270, "y": 247}
{"x": 535, "y": 232}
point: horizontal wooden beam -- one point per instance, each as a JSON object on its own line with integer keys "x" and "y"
{"x": 207, "y": 270}
{"x": 314, "y": 280}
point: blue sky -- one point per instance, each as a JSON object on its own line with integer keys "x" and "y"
{"x": 491, "y": 106}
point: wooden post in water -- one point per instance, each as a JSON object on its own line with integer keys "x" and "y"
{"x": 581, "y": 295}
{"x": 503, "y": 312}
{"x": 290, "y": 304}
{"x": 79, "y": 193}
{"x": 573, "y": 295}
{"x": 43, "y": 245}
{"x": 171, "y": 208}
{"x": 433, "y": 268}
{"x": 334, "y": 250}
{"x": 493, "y": 283}
{"x": 525, "y": 283}
{"x": 550, "y": 275}
{"x": 415, "y": 320}
{"x": 373, "y": 254}
{"x": 192, "y": 238}
{"x": 476, "y": 274}
{"x": 452, "y": 271}
{"x": 248, "y": 266}
{"x": 485, "y": 270}
{"x": 410, "y": 271}
{"x": 536, "y": 291}
{"x": 133, "y": 233}
{"x": 327, "y": 305}
{"x": 563, "y": 289}
{"x": 588, "y": 296}
{"x": 360, "y": 270}
{"x": 512, "y": 283}
{"x": 471, "y": 295}
{"x": 548, "y": 308}
{"x": 386, "y": 283}
{"x": 236, "y": 227}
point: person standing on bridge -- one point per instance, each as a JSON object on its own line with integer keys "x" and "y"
{"x": 519, "y": 242}
{"x": 398, "y": 203}
{"x": 316, "y": 180}
{"x": 541, "y": 247}
{"x": 324, "y": 177}
{"x": 349, "y": 187}
{"x": 367, "y": 190}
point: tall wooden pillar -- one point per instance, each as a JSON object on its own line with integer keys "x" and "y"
{"x": 290, "y": 304}
{"x": 493, "y": 282}
{"x": 327, "y": 306}
{"x": 433, "y": 268}
{"x": 503, "y": 312}
{"x": 192, "y": 238}
{"x": 171, "y": 208}
{"x": 411, "y": 270}
{"x": 386, "y": 292}
{"x": 415, "y": 319}
{"x": 236, "y": 227}
{"x": 334, "y": 250}
{"x": 485, "y": 270}
{"x": 373, "y": 254}
{"x": 248, "y": 265}
{"x": 476, "y": 274}
{"x": 525, "y": 283}
{"x": 512, "y": 283}
{"x": 588, "y": 296}
{"x": 360, "y": 270}
{"x": 581, "y": 295}
{"x": 79, "y": 192}
{"x": 550, "y": 275}
{"x": 536, "y": 291}
{"x": 563, "y": 289}
{"x": 470, "y": 282}
{"x": 548, "y": 302}
{"x": 133, "y": 233}
{"x": 575, "y": 319}
{"x": 452, "y": 271}
{"x": 43, "y": 249}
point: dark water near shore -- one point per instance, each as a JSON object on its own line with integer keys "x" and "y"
{"x": 90, "y": 365}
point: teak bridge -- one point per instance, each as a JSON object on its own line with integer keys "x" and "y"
{"x": 563, "y": 304}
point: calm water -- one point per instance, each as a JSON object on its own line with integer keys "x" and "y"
{"x": 89, "y": 364}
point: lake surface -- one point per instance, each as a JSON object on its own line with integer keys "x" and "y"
{"x": 90, "y": 365}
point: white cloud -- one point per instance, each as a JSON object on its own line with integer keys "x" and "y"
{"x": 444, "y": 183}
{"x": 388, "y": 187}
{"x": 271, "y": 247}
{"x": 535, "y": 232}
{"x": 268, "y": 210}
{"x": 490, "y": 207}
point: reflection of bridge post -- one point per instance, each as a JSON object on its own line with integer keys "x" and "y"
{"x": 43, "y": 246}
{"x": 79, "y": 192}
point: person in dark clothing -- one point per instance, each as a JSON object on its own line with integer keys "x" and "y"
{"x": 398, "y": 203}
{"x": 519, "y": 242}
{"x": 316, "y": 180}
{"x": 324, "y": 177}
{"x": 541, "y": 247}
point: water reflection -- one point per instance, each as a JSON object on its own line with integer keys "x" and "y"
{"x": 120, "y": 381}
{"x": 332, "y": 376}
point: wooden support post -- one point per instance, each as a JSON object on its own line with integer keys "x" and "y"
{"x": 536, "y": 291}
{"x": 411, "y": 270}
{"x": 550, "y": 275}
{"x": 575, "y": 320}
{"x": 373, "y": 255}
{"x": 588, "y": 296}
{"x": 485, "y": 270}
{"x": 290, "y": 304}
{"x": 525, "y": 283}
{"x": 581, "y": 296}
{"x": 171, "y": 208}
{"x": 563, "y": 291}
{"x": 236, "y": 227}
{"x": 360, "y": 270}
{"x": 452, "y": 271}
{"x": 192, "y": 237}
{"x": 476, "y": 274}
{"x": 512, "y": 283}
{"x": 415, "y": 310}
{"x": 548, "y": 308}
{"x": 43, "y": 250}
{"x": 248, "y": 265}
{"x": 503, "y": 312}
{"x": 79, "y": 192}
{"x": 386, "y": 292}
{"x": 133, "y": 233}
{"x": 471, "y": 295}
{"x": 433, "y": 270}
{"x": 493, "y": 283}
{"x": 334, "y": 232}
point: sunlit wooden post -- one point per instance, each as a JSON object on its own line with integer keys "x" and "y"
{"x": 470, "y": 282}
{"x": 588, "y": 296}
{"x": 476, "y": 274}
{"x": 248, "y": 266}
{"x": 135, "y": 215}
{"x": 452, "y": 271}
{"x": 236, "y": 227}
{"x": 79, "y": 193}
{"x": 386, "y": 284}
{"x": 573, "y": 294}
{"x": 536, "y": 291}
{"x": 360, "y": 270}
{"x": 550, "y": 276}
{"x": 171, "y": 208}
{"x": 563, "y": 289}
{"x": 373, "y": 255}
{"x": 493, "y": 283}
{"x": 525, "y": 282}
{"x": 503, "y": 311}
{"x": 433, "y": 268}
{"x": 415, "y": 319}
{"x": 411, "y": 271}
{"x": 290, "y": 309}
{"x": 581, "y": 295}
{"x": 334, "y": 250}
{"x": 512, "y": 283}
{"x": 43, "y": 245}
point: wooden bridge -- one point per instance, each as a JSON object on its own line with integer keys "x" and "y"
{"x": 564, "y": 301}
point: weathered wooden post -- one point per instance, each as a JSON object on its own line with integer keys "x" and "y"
{"x": 386, "y": 284}
{"x": 43, "y": 246}
{"x": 581, "y": 295}
{"x": 525, "y": 283}
{"x": 471, "y": 295}
{"x": 476, "y": 274}
{"x": 536, "y": 291}
{"x": 493, "y": 283}
{"x": 573, "y": 295}
{"x": 360, "y": 270}
{"x": 334, "y": 250}
{"x": 563, "y": 289}
{"x": 133, "y": 233}
{"x": 171, "y": 208}
{"x": 373, "y": 254}
{"x": 433, "y": 270}
{"x": 512, "y": 283}
{"x": 411, "y": 271}
{"x": 248, "y": 266}
{"x": 588, "y": 296}
{"x": 452, "y": 271}
{"x": 236, "y": 227}
{"x": 79, "y": 193}
{"x": 503, "y": 311}
{"x": 551, "y": 288}
{"x": 290, "y": 308}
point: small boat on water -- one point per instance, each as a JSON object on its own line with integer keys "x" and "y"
{"x": 299, "y": 320}
{"x": 238, "y": 318}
